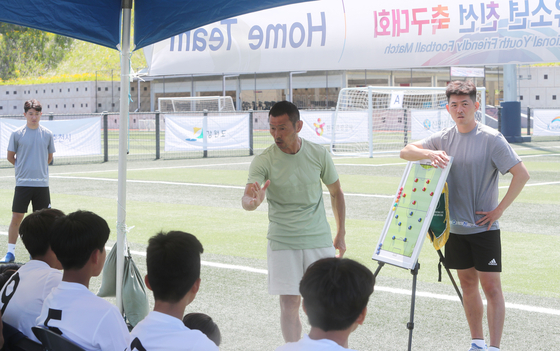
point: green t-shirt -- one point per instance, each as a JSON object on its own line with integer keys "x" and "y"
{"x": 296, "y": 212}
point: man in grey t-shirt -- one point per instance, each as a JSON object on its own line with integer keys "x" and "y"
{"x": 30, "y": 150}
{"x": 474, "y": 247}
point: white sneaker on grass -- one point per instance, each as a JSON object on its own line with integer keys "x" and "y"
{"x": 475, "y": 347}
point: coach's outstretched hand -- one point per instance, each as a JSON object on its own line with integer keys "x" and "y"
{"x": 254, "y": 195}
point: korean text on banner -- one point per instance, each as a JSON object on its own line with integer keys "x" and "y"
{"x": 215, "y": 133}
{"x": 76, "y": 137}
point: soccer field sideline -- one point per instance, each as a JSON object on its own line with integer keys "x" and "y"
{"x": 535, "y": 309}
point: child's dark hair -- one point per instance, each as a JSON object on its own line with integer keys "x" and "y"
{"x": 35, "y": 230}
{"x": 205, "y": 324}
{"x": 76, "y": 236}
{"x": 6, "y": 272}
{"x": 335, "y": 292}
{"x": 173, "y": 263}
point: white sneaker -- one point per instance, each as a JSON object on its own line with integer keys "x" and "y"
{"x": 475, "y": 347}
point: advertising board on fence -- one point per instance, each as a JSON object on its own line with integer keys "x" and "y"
{"x": 546, "y": 122}
{"x": 428, "y": 122}
{"x": 206, "y": 132}
{"x": 350, "y": 127}
{"x": 73, "y": 137}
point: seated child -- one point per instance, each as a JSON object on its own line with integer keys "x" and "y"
{"x": 335, "y": 295}
{"x": 71, "y": 310}
{"x": 205, "y": 324}
{"x": 173, "y": 263}
{"x": 24, "y": 293}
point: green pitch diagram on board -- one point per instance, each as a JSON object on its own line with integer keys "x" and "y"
{"x": 410, "y": 208}
{"x": 411, "y": 213}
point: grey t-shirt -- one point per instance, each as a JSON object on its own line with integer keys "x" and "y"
{"x": 32, "y": 148}
{"x": 473, "y": 177}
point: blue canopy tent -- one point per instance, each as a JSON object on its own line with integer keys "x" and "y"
{"x": 108, "y": 23}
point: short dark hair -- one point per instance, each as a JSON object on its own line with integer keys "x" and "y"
{"x": 76, "y": 236}
{"x": 285, "y": 108}
{"x": 461, "y": 87}
{"x": 335, "y": 291}
{"x": 205, "y": 324}
{"x": 6, "y": 272}
{"x": 173, "y": 262}
{"x": 32, "y": 104}
{"x": 35, "y": 230}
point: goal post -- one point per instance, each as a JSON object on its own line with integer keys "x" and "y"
{"x": 395, "y": 117}
{"x": 196, "y": 104}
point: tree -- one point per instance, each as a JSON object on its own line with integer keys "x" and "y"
{"x": 26, "y": 52}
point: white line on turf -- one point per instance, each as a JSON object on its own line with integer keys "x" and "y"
{"x": 366, "y": 165}
{"x": 197, "y": 184}
{"x": 377, "y": 288}
{"x": 156, "y": 168}
{"x": 532, "y": 184}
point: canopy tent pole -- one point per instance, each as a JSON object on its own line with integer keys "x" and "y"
{"x": 123, "y": 132}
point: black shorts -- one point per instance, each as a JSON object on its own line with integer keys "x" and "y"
{"x": 40, "y": 197}
{"x": 483, "y": 251}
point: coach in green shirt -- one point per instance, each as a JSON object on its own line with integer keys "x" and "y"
{"x": 291, "y": 172}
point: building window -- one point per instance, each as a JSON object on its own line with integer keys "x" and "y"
{"x": 1, "y": 107}
{"x": 145, "y": 88}
{"x": 64, "y": 105}
{"x": 537, "y": 97}
{"x": 15, "y": 107}
{"x": 86, "y": 88}
{"x": 553, "y": 97}
{"x": 15, "y": 92}
{"x": 60, "y": 90}
{"x": 68, "y": 89}
{"x": 521, "y": 97}
{"x": 72, "y": 105}
{"x": 98, "y": 105}
{"x": 77, "y": 89}
{"x": 546, "y": 76}
{"x": 106, "y": 89}
{"x": 99, "y": 89}
{"x": 86, "y": 105}
{"x": 131, "y": 88}
{"x": 7, "y": 93}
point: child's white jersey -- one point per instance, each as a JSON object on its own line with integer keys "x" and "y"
{"x": 23, "y": 294}
{"x": 76, "y": 313}
{"x": 159, "y": 331}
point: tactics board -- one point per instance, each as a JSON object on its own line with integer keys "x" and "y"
{"x": 411, "y": 213}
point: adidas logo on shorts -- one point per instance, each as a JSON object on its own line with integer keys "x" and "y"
{"x": 492, "y": 263}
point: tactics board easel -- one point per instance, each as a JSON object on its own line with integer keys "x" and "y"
{"x": 408, "y": 221}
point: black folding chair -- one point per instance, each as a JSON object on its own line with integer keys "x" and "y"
{"x": 53, "y": 342}
{"x": 15, "y": 340}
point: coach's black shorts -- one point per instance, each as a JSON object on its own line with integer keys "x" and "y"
{"x": 40, "y": 197}
{"x": 483, "y": 251}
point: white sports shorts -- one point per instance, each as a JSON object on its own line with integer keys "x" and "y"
{"x": 286, "y": 267}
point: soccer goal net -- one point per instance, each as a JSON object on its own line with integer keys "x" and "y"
{"x": 196, "y": 104}
{"x": 372, "y": 120}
